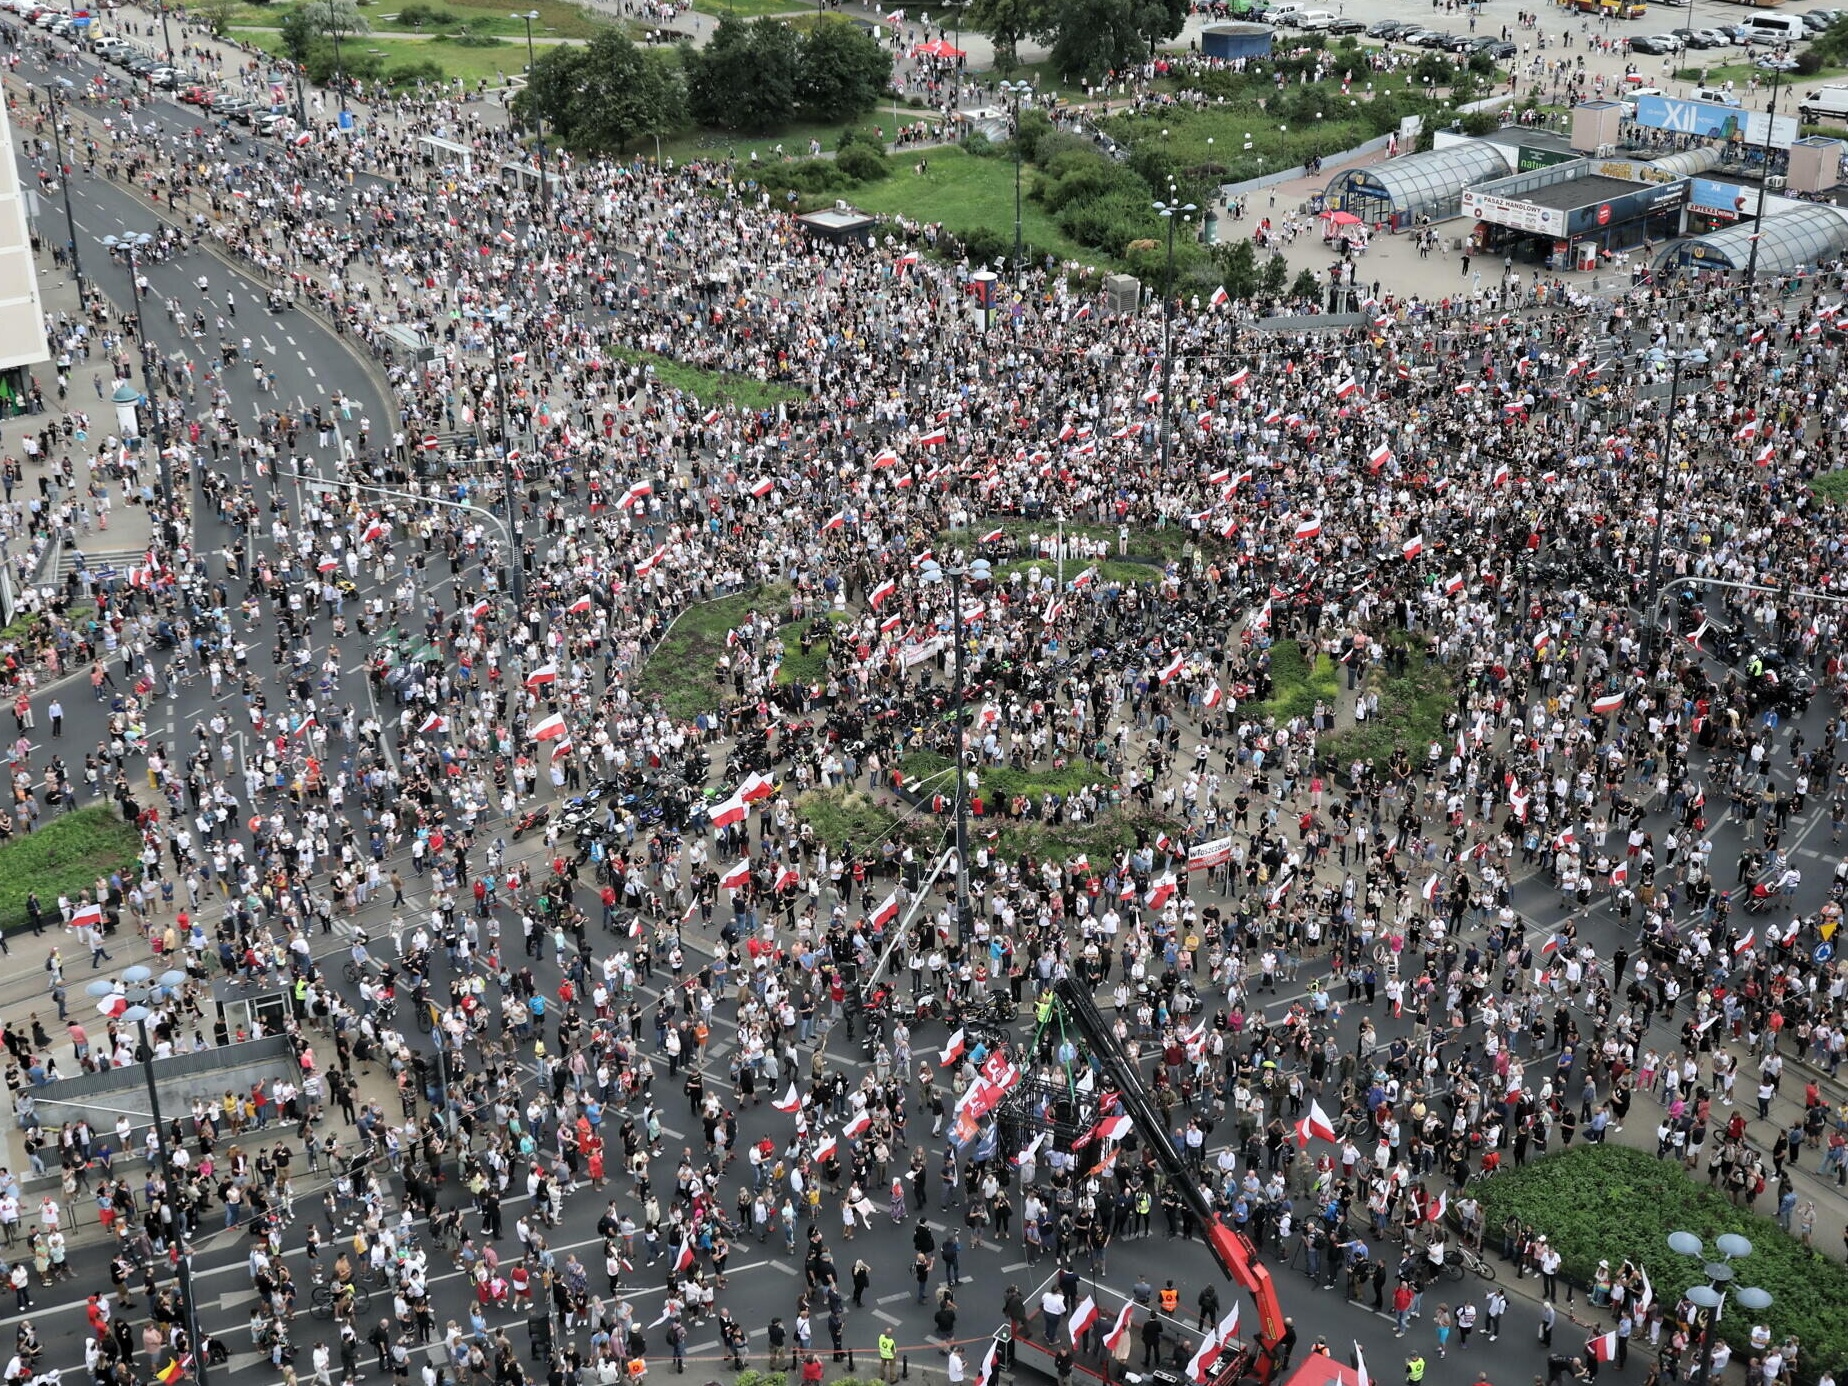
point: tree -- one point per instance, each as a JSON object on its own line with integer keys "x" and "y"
{"x": 334, "y": 17}
{"x": 1007, "y": 22}
{"x": 1237, "y": 266}
{"x": 298, "y": 36}
{"x": 1274, "y": 278}
{"x": 1092, "y": 37}
{"x": 747, "y": 77}
{"x": 605, "y": 95}
{"x": 844, "y": 71}
{"x": 217, "y": 14}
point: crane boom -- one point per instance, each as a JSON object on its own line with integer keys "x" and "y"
{"x": 1236, "y": 1256}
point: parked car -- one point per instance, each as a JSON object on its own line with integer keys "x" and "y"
{"x": 1346, "y": 26}
{"x": 1435, "y": 38}
{"x": 1499, "y": 49}
{"x": 1387, "y": 28}
{"x": 1649, "y": 43}
{"x": 196, "y": 95}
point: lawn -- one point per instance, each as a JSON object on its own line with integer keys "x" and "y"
{"x": 1296, "y": 687}
{"x": 839, "y": 816}
{"x": 1413, "y": 706}
{"x": 682, "y": 668}
{"x": 791, "y": 142}
{"x": 749, "y": 9}
{"x": 712, "y": 387}
{"x": 493, "y": 65}
{"x": 966, "y": 194}
{"x": 1606, "y": 1202}
{"x": 810, "y": 668}
{"x": 63, "y": 857}
{"x": 557, "y": 18}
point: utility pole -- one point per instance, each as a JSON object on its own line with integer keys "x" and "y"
{"x": 64, "y": 184}
{"x": 1167, "y": 211}
{"x": 1764, "y": 187}
{"x": 1661, "y": 505}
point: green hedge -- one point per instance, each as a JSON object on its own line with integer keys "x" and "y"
{"x": 63, "y": 857}
{"x": 1614, "y": 1203}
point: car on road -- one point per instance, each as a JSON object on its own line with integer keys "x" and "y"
{"x": 166, "y": 78}
{"x": 197, "y": 95}
{"x": 1649, "y": 43}
{"x": 1694, "y": 38}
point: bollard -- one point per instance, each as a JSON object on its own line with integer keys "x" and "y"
{"x": 904, "y": 1367}
{"x": 850, "y": 1361}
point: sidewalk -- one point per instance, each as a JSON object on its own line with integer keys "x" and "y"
{"x": 92, "y": 380}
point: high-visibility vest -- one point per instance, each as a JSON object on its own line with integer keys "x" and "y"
{"x": 888, "y": 1347}
{"x": 1414, "y": 1369}
{"x": 1170, "y": 1299}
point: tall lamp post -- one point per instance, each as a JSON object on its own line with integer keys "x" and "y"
{"x": 1758, "y": 222}
{"x": 339, "y": 69}
{"x": 528, "y": 18}
{"x": 127, "y": 247}
{"x": 1169, "y": 213}
{"x": 55, "y": 98}
{"x": 1663, "y": 472}
{"x": 930, "y": 573}
{"x": 138, "y": 1014}
{"x": 510, "y": 492}
{"x": 1017, "y": 92}
{"x": 166, "y": 35}
{"x": 1709, "y": 1299}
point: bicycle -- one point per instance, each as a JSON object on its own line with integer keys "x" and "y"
{"x": 1460, "y": 1259}
{"x": 323, "y": 1301}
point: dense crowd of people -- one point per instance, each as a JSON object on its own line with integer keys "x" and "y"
{"x": 1224, "y": 577}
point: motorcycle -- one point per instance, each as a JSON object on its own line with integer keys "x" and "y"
{"x": 531, "y": 819}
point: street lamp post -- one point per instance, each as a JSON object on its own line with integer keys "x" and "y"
{"x": 930, "y": 572}
{"x": 1018, "y": 91}
{"x": 510, "y": 492}
{"x": 1169, "y": 212}
{"x": 138, "y": 1015}
{"x": 64, "y": 183}
{"x": 1709, "y": 1299}
{"x": 166, "y": 35}
{"x": 127, "y": 247}
{"x": 339, "y": 70}
{"x": 527, "y": 18}
{"x": 1758, "y": 222}
{"x": 1663, "y": 473}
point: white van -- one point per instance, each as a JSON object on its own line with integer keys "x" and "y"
{"x": 1776, "y": 28}
{"x": 1830, "y": 101}
{"x": 1289, "y": 14}
{"x": 1717, "y": 96}
{"x": 1316, "y": 19}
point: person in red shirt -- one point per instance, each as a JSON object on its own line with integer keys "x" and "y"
{"x": 811, "y": 1370}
